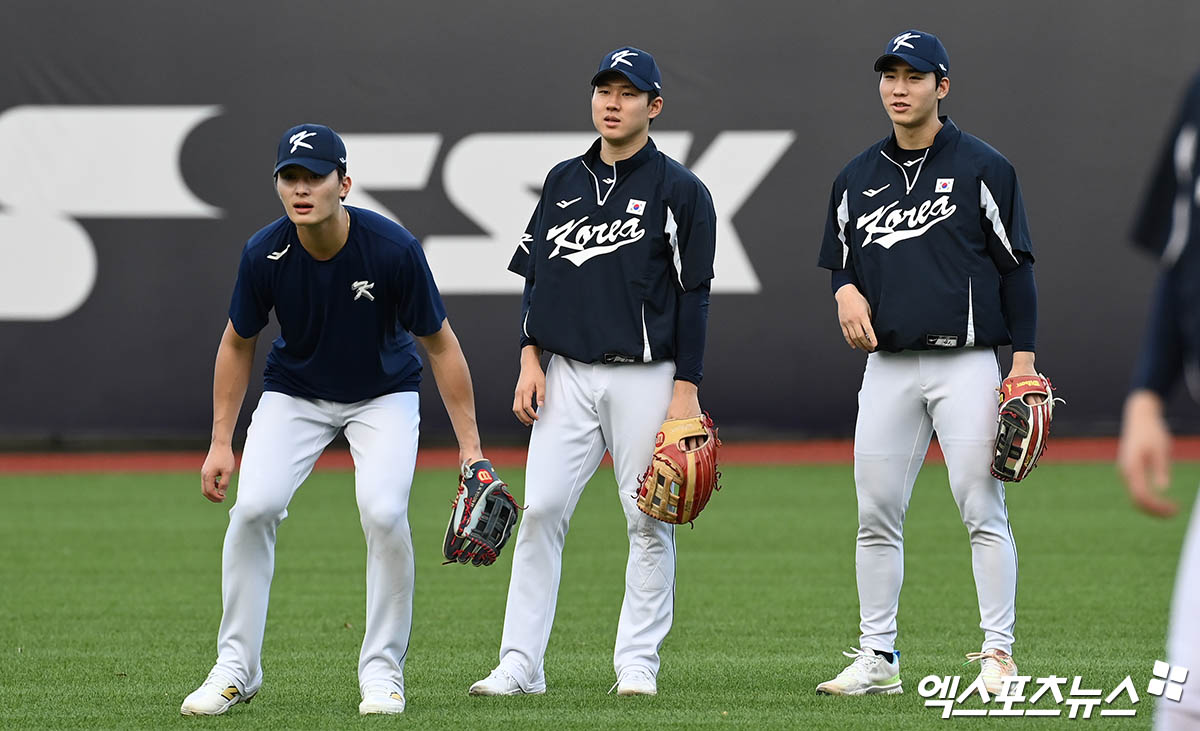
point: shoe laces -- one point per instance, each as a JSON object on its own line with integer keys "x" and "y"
{"x": 379, "y": 689}
{"x": 864, "y": 661}
{"x": 218, "y": 680}
{"x": 992, "y": 662}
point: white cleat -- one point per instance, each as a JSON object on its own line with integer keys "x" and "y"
{"x": 994, "y": 667}
{"x": 501, "y": 683}
{"x": 869, "y": 674}
{"x": 215, "y": 695}
{"x": 636, "y": 681}
{"x": 383, "y": 699}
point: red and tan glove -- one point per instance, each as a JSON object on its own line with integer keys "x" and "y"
{"x": 1024, "y": 427}
{"x": 679, "y": 481}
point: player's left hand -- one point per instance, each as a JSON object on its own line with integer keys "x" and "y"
{"x": 1022, "y": 365}
{"x": 685, "y": 404}
{"x": 683, "y": 407}
{"x": 1143, "y": 454}
{"x": 469, "y": 455}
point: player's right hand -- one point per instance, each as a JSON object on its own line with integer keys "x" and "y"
{"x": 1143, "y": 454}
{"x": 530, "y": 393}
{"x": 215, "y": 474}
{"x": 854, "y": 315}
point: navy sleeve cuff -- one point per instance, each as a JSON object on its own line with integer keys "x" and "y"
{"x": 841, "y": 277}
{"x": 526, "y": 301}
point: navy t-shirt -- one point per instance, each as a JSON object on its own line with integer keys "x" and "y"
{"x": 345, "y": 322}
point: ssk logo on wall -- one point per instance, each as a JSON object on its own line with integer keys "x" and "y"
{"x": 82, "y": 162}
{"x": 888, "y": 225}
{"x": 491, "y": 178}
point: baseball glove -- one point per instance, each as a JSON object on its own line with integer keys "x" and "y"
{"x": 482, "y": 516}
{"x": 1024, "y": 428}
{"x": 683, "y": 471}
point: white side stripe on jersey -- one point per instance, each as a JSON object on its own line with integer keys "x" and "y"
{"x": 843, "y": 222}
{"x": 671, "y": 233}
{"x": 1181, "y": 214}
{"x": 970, "y": 315}
{"x": 988, "y": 204}
{"x": 601, "y": 200}
{"x": 645, "y": 337}
{"x": 843, "y": 214}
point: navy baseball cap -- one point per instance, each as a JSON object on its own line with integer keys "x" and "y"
{"x": 923, "y": 51}
{"x": 314, "y": 147}
{"x": 634, "y": 64}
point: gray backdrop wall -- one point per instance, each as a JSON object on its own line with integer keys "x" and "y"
{"x": 136, "y": 141}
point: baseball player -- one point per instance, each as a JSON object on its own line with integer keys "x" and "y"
{"x": 617, "y": 261}
{"x": 1169, "y": 227}
{"x": 932, "y": 272}
{"x": 348, "y": 286}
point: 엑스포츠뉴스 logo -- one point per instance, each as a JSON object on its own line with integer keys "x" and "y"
{"x": 1050, "y": 696}
{"x": 1168, "y": 681}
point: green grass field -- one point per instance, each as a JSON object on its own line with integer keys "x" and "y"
{"x": 110, "y": 590}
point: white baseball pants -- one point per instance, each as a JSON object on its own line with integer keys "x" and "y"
{"x": 286, "y": 436}
{"x": 590, "y": 409}
{"x": 1183, "y": 635}
{"x": 905, "y": 397}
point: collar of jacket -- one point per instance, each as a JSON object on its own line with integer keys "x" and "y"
{"x": 945, "y": 135}
{"x": 626, "y": 166}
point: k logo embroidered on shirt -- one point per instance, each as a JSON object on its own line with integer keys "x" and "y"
{"x": 363, "y": 289}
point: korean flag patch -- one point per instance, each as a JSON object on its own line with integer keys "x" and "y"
{"x": 944, "y": 185}
{"x": 636, "y": 207}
